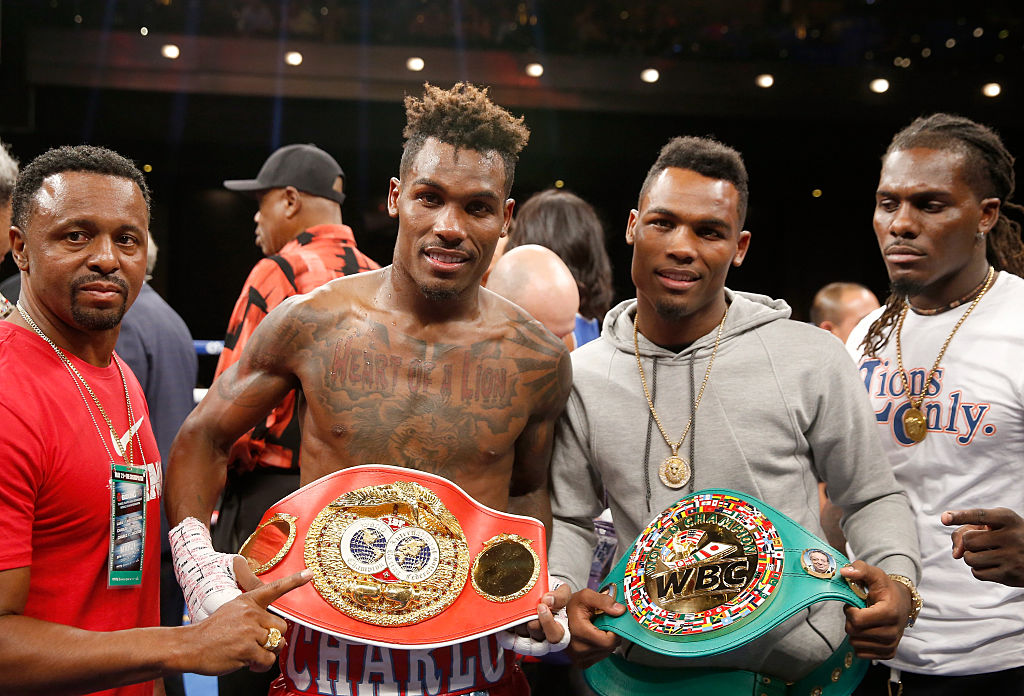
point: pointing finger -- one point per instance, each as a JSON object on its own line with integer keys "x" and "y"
{"x": 987, "y": 516}
{"x": 265, "y": 595}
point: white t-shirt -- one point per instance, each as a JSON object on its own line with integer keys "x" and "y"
{"x": 972, "y": 456}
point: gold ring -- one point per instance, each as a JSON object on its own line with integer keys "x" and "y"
{"x": 273, "y": 639}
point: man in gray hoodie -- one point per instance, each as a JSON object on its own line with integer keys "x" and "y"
{"x": 766, "y": 406}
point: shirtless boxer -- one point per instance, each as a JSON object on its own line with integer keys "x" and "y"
{"x": 413, "y": 365}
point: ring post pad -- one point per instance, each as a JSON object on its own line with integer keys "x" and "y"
{"x": 400, "y": 559}
{"x": 717, "y": 570}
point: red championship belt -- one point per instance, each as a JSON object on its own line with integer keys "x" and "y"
{"x": 400, "y": 559}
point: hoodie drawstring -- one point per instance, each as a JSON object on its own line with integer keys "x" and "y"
{"x": 693, "y": 421}
{"x": 650, "y": 428}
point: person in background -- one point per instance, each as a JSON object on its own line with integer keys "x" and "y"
{"x": 838, "y": 307}
{"x": 567, "y": 224}
{"x": 8, "y": 176}
{"x": 537, "y": 280}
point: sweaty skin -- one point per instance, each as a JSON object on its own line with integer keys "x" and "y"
{"x": 464, "y": 401}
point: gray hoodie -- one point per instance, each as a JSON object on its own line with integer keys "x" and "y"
{"x": 784, "y": 408}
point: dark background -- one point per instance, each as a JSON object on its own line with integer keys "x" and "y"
{"x": 824, "y": 133}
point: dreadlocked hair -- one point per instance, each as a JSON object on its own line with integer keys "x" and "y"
{"x": 463, "y": 117}
{"x": 988, "y": 171}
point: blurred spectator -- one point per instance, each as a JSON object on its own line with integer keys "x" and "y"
{"x": 8, "y": 175}
{"x": 568, "y": 225}
{"x": 838, "y": 307}
{"x": 537, "y": 280}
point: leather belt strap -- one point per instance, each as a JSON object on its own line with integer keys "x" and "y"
{"x": 839, "y": 675}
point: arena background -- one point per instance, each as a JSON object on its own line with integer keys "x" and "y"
{"x": 87, "y": 71}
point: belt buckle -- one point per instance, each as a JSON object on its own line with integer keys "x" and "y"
{"x": 717, "y": 570}
{"x": 400, "y": 559}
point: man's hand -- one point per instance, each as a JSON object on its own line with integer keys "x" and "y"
{"x": 234, "y": 635}
{"x": 544, "y": 627}
{"x": 547, "y": 633}
{"x": 876, "y": 630}
{"x": 590, "y": 644}
{"x": 991, "y": 542}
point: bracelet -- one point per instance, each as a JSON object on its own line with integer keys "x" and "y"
{"x": 915, "y": 597}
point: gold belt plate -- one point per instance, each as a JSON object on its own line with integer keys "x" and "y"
{"x": 389, "y": 555}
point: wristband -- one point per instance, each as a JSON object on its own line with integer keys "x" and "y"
{"x": 206, "y": 577}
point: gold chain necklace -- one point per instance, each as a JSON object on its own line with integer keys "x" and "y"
{"x": 125, "y": 453}
{"x": 675, "y": 471}
{"x": 914, "y": 422}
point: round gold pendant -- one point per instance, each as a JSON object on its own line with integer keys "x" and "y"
{"x": 674, "y": 472}
{"x": 915, "y": 424}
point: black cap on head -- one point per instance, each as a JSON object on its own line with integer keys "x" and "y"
{"x": 306, "y": 167}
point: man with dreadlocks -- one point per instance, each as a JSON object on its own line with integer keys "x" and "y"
{"x": 941, "y": 363}
{"x": 389, "y": 365}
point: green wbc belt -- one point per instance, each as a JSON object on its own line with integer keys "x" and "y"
{"x": 717, "y": 570}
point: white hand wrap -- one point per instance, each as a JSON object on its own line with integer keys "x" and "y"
{"x": 525, "y": 645}
{"x": 207, "y": 577}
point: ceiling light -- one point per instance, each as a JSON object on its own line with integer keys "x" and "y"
{"x": 170, "y": 51}
{"x": 534, "y": 69}
{"x": 764, "y": 80}
{"x": 992, "y": 89}
{"x": 978, "y": 32}
{"x": 415, "y": 64}
{"x": 950, "y": 43}
{"x": 650, "y": 75}
{"x": 293, "y": 58}
{"x": 879, "y": 85}
{"x": 144, "y": 31}
{"x": 816, "y": 193}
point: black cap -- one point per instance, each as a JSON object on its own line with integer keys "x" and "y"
{"x": 306, "y": 167}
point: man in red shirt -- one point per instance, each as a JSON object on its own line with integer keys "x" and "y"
{"x": 299, "y": 229}
{"x": 80, "y": 501}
